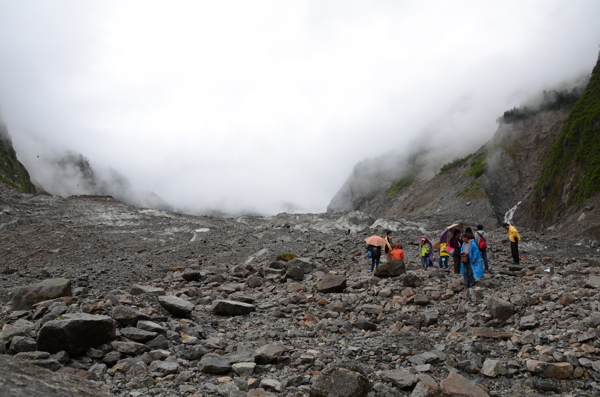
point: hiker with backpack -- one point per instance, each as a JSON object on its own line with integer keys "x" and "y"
{"x": 481, "y": 238}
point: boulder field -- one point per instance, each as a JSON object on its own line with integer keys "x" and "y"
{"x": 105, "y": 299}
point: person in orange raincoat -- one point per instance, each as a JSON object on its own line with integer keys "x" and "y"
{"x": 397, "y": 252}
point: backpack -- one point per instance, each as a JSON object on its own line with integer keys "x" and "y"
{"x": 482, "y": 243}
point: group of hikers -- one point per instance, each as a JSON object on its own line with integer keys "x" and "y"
{"x": 467, "y": 249}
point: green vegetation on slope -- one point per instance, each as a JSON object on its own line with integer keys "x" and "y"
{"x": 472, "y": 191}
{"x": 571, "y": 173}
{"x": 551, "y": 100}
{"x": 478, "y": 167}
{"x": 400, "y": 184}
{"x": 454, "y": 164}
{"x": 12, "y": 171}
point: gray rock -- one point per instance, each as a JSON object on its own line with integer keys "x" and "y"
{"x": 127, "y": 315}
{"x": 213, "y": 364}
{"x": 269, "y": 353}
{"x": 500, "y": 309}
{"x": 163, "y": 368}
{"x": 528, "y": 322}
{"x": 99, "y": 370}
{"x": 9, "y": 333}
{"x": 593, "y": 282}
{"x": 493, "y": 368}
{"x": 139, "y": 289}
{"x": 458, "y": 385}
{"x": 429, "y": 317}
{"x": 421, "y": 300}
{"x": 400, "y": 378}
{"x": 231, "y": 308}
{"x": 366, "y": 325}
{"x": 130, "y": 348}
{"x": 340, "y": 382}
{"x": 295, "y": 273}
{"x": 411, "y": 279}
{"x": 151, "y": 326}
{"x": 391, "y": 268}
{"x": 241, "y": 356}
{"x": 332, "y": 283}
{"x": 76, "y": 333}
{"x": 35, "y": 355}
{"x": 192, "y": 274}
{"x": 20, "y": 344}
{"x": 271, "y": 384}
{"x": 138, "y": 335}
{"x": 254, "y": 281}
{"x": 176, "y": 306}
{"x": 244, "y": 368}
{"x": 193, "y": 352}
{"x": 25, "y": 297}
{"x": 160, "y": 342}
{"x": 305, "y": 264}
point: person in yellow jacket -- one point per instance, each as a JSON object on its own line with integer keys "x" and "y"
{"x": 514, "y": 237}
{"x": 424, "y": 254}
{"x": 444, "y": 256}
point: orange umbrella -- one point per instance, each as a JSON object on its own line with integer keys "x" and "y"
{"x": 375, "y": 240}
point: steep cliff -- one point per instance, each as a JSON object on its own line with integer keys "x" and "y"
{"x": 12, "y": 172}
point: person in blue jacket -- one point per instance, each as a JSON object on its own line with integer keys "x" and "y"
{"x": 471, "y": 265}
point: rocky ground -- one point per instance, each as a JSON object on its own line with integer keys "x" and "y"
{"x": 163, "y": 304}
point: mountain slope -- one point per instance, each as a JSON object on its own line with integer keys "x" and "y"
{"x": 571, "y": 173}
{"x": 495, "y": 182}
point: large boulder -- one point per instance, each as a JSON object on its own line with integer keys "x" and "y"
{"x": 176, "y": 306}
{"x": 26, "y": 297}
{"x": 391, "y": 268}
{"x": 303, "y": 264}
{"x": 21, "y": 379}
{"x": 332, "y": 283}
{"x": 500, "y": 308}
{"x": 340, "y": 382}
{"x": 76, "y": 333}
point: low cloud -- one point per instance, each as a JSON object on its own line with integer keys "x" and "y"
{"x": 267, "y": 106}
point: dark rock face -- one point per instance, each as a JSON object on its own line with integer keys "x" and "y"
{"x": 21, "y": 379}
{"x": 26, "y": 297}
{"x": 76, "y": 333}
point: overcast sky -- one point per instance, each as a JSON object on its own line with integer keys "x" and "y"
{"x": 268, "y": 105}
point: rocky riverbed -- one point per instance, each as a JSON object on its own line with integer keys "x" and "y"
{"x": 117, "y": 300}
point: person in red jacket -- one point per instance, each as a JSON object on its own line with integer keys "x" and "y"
{"x": 397, "y": 252}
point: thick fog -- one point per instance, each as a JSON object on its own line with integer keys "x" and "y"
{"x": 266, "y": 106}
